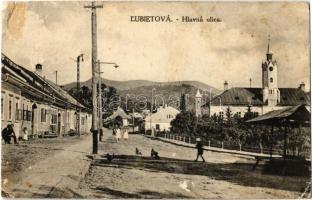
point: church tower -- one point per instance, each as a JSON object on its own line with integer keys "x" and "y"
{"x": 270, "y": 91}
{"x": 198, "y": 104}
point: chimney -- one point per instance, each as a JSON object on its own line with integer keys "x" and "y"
{"x": 302, "y": 86}
{"x": 39, "y": 69}
{"x": 226, "y": 85}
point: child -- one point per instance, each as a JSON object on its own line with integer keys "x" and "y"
{"x": 25, "y": 134}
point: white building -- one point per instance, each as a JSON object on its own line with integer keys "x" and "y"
{"x": 161, "y": 119}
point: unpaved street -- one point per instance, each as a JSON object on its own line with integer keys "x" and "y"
{"x": 45, "y": 167}
{"x": 62, "y": 168}
{"x": 175, "y": 175}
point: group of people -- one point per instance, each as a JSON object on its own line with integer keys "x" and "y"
{"x": 120, "y": 133}
{"x": 8, "y": 133}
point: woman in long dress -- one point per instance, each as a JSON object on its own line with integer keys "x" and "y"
{"x": 125, "y": 134}
{"x": 118, "y": 133}
{"x": 25, "y": 134}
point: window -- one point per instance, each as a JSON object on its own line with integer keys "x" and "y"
{"x": 10, "y": 109}
{"x": 43, "y": 115}
{"x": 238, "y": 114}
{"x": 157, "y": 127}
{"x": 18, "y": 114}
{"x": 221, "y": 114}
{"x": 271, "y": 80}
{"x": 271, "y": 68}
{"x": 53, "y": 119}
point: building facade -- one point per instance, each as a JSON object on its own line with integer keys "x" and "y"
{"x": 29, "y": 100}
{"x": 161, "y": 120}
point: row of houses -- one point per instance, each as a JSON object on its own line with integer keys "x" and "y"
{"x": 30, "y": 100}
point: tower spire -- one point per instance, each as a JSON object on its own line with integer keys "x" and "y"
{"x": 269, "y": 54}
{"x": 268, "y": 44}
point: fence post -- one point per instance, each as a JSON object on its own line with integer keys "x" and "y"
{"x": 184, "y": 139}
{"x": 190, "y": 139}
{"x": 297, "y": 151}
{"x": 240, "y": 147}
{"x": 222, "y": 144}
{"x": 209, "y": 143}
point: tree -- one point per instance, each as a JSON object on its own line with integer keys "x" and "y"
{"x": 184, "y": 123}
{"x": 183, "y": 103}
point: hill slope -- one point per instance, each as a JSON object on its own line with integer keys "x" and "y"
{"x": 131, "y": 84}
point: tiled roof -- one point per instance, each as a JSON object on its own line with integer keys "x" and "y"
{"x": 245, "y": 96}
{"x": 239, "y": 96}
{"x": 34, "y": 80}
{"x": 293, "y": 97}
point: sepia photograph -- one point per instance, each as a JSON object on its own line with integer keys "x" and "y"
{"x": 155, "y": 100}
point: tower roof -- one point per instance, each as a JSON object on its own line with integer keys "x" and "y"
{"x": 198, "y": 94}
{"x": 269, "y": 54}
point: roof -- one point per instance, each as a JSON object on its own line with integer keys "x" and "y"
{"x": 239, "y": 96}
{"x": 293, "y": 97}
{"x": 37, "y": 83}
{"x": 253, "y": 96}
{"x": 162, "y": 115}
{"x": 198, "y": 95}
{"x": 297, "y": 113}
{"x": 119, "y": 112}
{"x": 67, "y": 96}
{"x": 136, "y": 115}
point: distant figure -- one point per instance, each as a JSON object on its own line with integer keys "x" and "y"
{"x": 200, "y": 149}
{"x": 138, "y": 152}
{"x": 25, "y": 134}
{"x": 118, "y": 133}
{"x": 125, "y": 134}
{"x": 110, "y": 157}
{"x": 7, "y": 133}
{"x": 154, "y": 154}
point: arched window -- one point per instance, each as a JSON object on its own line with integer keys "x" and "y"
{"x": 271, "y": 80}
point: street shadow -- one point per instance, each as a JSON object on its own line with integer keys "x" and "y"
{"x": 237, "y": 173}
{"x": 145, "y": 194}
{"x": 46, "y": 192}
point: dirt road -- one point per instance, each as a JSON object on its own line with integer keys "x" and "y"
{"x": 61, "y": 168}
{"x": 175, "y": 175}
{"x": 52, "y": 168}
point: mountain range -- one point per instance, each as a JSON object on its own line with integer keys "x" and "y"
{"x": 161, "y": 92}
{"x": 132, "y": 84}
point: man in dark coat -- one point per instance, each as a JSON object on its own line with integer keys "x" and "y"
{"x": 200, "y": 149}
{"x": 7, "y": 133}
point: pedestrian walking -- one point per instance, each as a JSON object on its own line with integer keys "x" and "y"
{"x": 125, "y": 134}
{"x": 200, "y": 149}
{"x": 25, "y": 134}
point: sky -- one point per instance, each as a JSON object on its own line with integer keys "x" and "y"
{"x": 55, "y": 33}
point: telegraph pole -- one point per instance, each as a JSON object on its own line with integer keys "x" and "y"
{"x": 56, "y": 77}
{"x": 100, "y": 100}
{"x": 78, "y": 110}
{"x": 94, "y": 128}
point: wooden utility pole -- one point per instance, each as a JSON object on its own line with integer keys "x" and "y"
{"x": 94, "y": 128}
{"x": 100, "y": 100}
{"x": 56, "y": 77}
{"x": 78, "y": 110}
